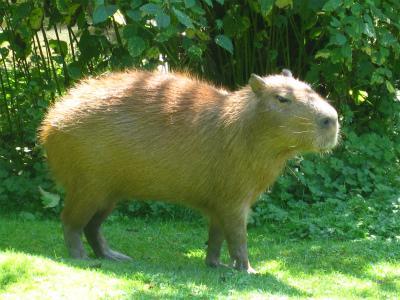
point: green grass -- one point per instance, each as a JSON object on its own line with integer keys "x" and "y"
{"x": 169, "y": 264}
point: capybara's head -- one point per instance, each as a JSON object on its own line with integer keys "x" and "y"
{"x": 294, "y": 113}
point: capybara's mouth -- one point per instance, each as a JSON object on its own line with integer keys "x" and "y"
{"x": 327, "y": 143}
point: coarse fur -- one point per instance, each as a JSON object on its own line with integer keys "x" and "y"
{"x": 169, "y": 137}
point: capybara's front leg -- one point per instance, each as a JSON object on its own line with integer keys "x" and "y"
{"x": 73, "y": 241}
{"x": 97, "y": 241}
{"x": 236, "y": 237}
{"x": 214, "y": 244}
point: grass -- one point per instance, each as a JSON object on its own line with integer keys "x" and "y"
{"x": 169, "y": 265}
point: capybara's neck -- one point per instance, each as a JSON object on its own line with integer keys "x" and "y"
{"x": 245, "y": 121}
{"x": 252, "y": 141}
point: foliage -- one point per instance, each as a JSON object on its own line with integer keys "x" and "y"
{"x": 347, "y": 49}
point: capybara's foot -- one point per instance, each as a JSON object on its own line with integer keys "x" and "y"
{"x": 76, "y": 254}
{"x": 216, "y": 264}
{"x": 212, "y": 262}
{"x": 114, "y": 255}
{"x": 250, "y": 270}
{"x": 244, "y": 266}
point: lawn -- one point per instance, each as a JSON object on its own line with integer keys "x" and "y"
{"x": 168, "y": 263}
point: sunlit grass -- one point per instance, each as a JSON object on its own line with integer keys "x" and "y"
{"x": 169, "y": 264}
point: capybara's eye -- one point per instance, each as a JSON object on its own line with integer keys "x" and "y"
{"x": 282, "y": 99}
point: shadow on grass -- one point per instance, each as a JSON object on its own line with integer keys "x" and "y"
{"x": 355, "y": 258}
{"x": 172, "y": 254}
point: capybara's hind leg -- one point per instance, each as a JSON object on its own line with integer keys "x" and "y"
{"x": 214, "y": 244}
{"x": 74, "y": 217}
{"x": 96, "y": 239}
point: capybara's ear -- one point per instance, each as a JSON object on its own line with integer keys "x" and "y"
{"x": 257, "y": 84}
{"x": 287, "y": 73}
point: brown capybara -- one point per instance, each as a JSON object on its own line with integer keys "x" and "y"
{"x": 147, "y": 135}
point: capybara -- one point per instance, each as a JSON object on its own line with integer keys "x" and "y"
{"x": 170, "y": 137}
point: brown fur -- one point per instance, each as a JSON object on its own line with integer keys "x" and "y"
{"x": 173, "y": 138}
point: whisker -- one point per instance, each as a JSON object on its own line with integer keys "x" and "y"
{"x": 302, "y": 118}
{"x": 299, "y": 132}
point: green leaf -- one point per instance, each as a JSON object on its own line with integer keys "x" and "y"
{"x": 89, "y": 46}
{"x": 266, "y": 6}
{"x": 369, "y": 29}
{"x": 166, "y": 34}
{"x": 3, "y": 51}
{"x": 198, "y": 10}
{"x": 356, "y": 9}
{"x": 62, "y": 6}
{"x": 74, "y": 70}
{"x": 324, "y": 53}
{"x": 22, "y": 10}
{"x": 56, "y": 45}
{"x": 73, "y": 8}
{"x": 67, "y": 7}
{"x": 135, "y": 15}
{"x": 331, "y": 5}
{"x": 283, "y": 3}
{"x": 359, "y": 96}
{"x": 209, "y": 3}
{"x": 136, "y": 3}
{"x": 220, "y": 2}
{"x": 346, "y": 51}
{"x": 224, "y": 42}
{"x": 335, "y": 22}
{"x": 379, "y": 57}
{"x": 151, "y": 8}
{"x": 390, "y": 87}
{"x": 195, "y": 51}
{"x": 36, "y": 18}
{"x": 153, "y": 52}
{"x": 354, "y": 31}
{"x": 103, "y": 12}
{"x": 136, "y": 46}
{"x": 219, "y": 24}
{"x": 190, "y": 3}
{"x": 183, "y": 18}
{"x": 163, "y": 20}
{"x": 338, "y": 39}
{"x": 49, "y": 200}
{"x": 315, "y": 33}
{"x": 376, "y": 78}
{"x": 129, "y": 31}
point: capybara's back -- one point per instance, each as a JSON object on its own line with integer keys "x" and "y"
{"x": 170, "y": 137}
{"x": 137, "y": 134}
